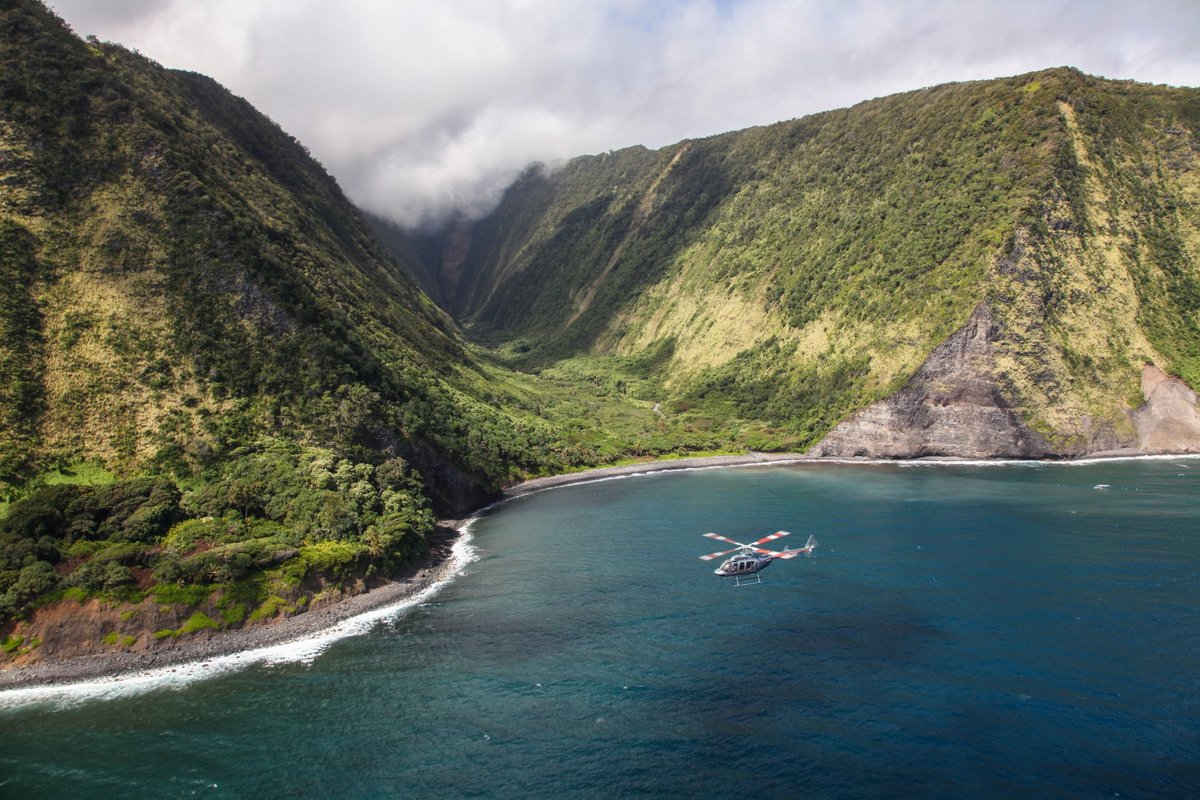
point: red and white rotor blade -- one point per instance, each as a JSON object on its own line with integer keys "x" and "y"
{"x": 721, "y": 538}
{"x": 776, "y": 535}
{"x": 711, "y": 556}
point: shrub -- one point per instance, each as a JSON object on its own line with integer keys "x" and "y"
{"x": 329, "y": 559}
{"x": 183, "y": 536}
{"x": 271, "y": 607}
{"x": 174, "y": 594}
{"x": 199, "y": 621}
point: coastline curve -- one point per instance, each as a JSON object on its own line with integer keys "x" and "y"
{"x": 298, "y": 639}
{"x": 304, "y": 637}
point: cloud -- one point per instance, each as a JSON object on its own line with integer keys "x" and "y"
{"x": 420, "y": 109}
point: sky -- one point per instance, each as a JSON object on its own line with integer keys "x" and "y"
{"x": 424, "y": 108}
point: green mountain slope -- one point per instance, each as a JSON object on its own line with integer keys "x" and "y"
{"x": 214, "y": 381}
{"x": 222, "y": 398}
{"x": 785, "y": 277}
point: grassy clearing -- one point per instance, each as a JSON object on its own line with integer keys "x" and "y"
{"x": 86, "y": 474}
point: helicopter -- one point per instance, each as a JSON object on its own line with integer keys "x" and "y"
{"x": 750, "y": 559}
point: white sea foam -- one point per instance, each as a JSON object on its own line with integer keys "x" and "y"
{"x": 302, "y": 650}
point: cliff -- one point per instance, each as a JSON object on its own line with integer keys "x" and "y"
{"x": 803, "y": 285}
{"x": 956, "y": 406}
{"x": 215, "y": 383}
{"x": 953, "y": 406}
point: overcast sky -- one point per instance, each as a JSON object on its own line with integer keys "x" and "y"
{"x": 422, "y": 107}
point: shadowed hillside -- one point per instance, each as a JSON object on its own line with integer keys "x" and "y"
{"x": 218, "y": 391}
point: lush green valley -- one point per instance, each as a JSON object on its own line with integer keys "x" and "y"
{"x": 224, "y": 393}
{"x": 762, "y": 285}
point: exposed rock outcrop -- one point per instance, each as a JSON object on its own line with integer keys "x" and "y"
{"x": 953, "y": 406}
{"x": 1168, "y": 422}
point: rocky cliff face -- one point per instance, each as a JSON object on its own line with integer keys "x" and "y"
{"x": 956, "y": 406}
{"x": 953, "y": 406}
{"x": 1168, "y": 422}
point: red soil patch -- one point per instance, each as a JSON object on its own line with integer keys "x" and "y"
{"x": 144, "y": 577}
{"x": 67, "y": 567}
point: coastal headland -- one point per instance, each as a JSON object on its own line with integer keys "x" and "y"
{"x": 437, "y": 566}
{"x": 433, "y": 568}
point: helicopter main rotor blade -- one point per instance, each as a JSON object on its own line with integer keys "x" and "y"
{"x": 711, "y": 556}
{"x": 753, "y": 546}
{"x": 719, "y": 537}
{"x": 776, "y": 535}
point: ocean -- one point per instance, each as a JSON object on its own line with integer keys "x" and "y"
{"x": 962, "y": 630}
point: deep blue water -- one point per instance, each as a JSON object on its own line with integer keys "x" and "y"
{"x": 962, "y": 631}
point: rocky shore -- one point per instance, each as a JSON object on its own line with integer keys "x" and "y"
{"x": 204, "y": 645}
{"x": 645, "y": 467}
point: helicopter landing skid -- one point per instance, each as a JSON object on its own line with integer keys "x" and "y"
{"x": 746, "y": 580}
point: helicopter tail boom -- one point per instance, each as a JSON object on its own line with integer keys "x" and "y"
{"x": 809, "y": 546}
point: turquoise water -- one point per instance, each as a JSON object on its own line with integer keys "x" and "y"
{"x": 962, "y": 631}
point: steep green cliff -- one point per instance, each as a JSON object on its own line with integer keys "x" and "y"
{"x": 222, "y": 396}
{"x": 211, "y": 372}
{"x": 787, "y": 276}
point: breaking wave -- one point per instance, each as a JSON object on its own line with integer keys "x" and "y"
{"x": 304, "y": 650}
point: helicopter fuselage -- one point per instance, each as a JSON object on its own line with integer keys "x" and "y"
{"x": 750, "y": 559}
{"x": 743, "y": 565}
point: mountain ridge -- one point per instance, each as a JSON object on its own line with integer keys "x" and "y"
{"x": 220, "y": 398}
{"x": 802, "y": 271}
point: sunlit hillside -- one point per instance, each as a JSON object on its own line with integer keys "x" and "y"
{"x": 781, "y": 277}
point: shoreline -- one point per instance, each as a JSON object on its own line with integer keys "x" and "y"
{"x": 651, "y": 467}
{"x": 786, "y": 459}
{"x": 433, "y": 569}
